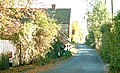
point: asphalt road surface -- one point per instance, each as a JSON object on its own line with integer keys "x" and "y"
{"x": 86, "y": 60}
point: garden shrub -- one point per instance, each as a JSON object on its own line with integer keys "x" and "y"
{"x": 67, "y": 54}
{"x": 90, "y": 40}
{"x": 115, "y": 45}
{"x": 58, "y": 46}
{"x": 105, "y": 47}
{"x": 41, "y": 61}
{"x": 111, "y": 44}
{"x": 4, "y": 61}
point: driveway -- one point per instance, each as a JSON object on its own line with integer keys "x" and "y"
{"x": 86, "y": 60}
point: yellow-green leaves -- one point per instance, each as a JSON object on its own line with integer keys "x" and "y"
{"x": 46, "y": 31}
{"x": 96, "y": 18}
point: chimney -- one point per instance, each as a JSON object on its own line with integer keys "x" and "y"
{"x": 53, "y": 6}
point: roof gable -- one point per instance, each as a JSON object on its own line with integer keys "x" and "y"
{"x": 61, "y": 15}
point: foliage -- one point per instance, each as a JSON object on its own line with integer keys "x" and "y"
{"x": 35, "y": 37}
{"x": 106, "y": 36}
{"x": 41, "y": 61}
{"x": 12, "y": 26}
{"x": 8, "y": 19}
{"x": 23, "y": 39}
{"x": 58, "y": 46}
{"x": 52, "y": 54}
{"x": 45, "y": 32}
{"x": 77, "y": 33}
{"x": 67, "y": 54}
{"x": 31, "y": 30}
{"x": 115, "y": 45}
{"x": 90, "y": 40}
{"x": 4, "y": 61}
{"x": 109, "y": 32}
{"x": 96, "y": 18}
{"x": 111, "y": 44}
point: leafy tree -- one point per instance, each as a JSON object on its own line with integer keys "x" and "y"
{"x": 10, "y": 18}
{"x": 45, "y": 32}
{"x": 96, "y": 18}
{"x": 77, "y": 34}
{"x": 31, "y": 30}
{"x": 35, "y": 37}
{"x": 9, "y": 22}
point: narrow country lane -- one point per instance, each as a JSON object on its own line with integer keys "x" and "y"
{"x": 86, "y": 60}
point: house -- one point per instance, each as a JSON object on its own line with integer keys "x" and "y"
{"x": 62, "y": 15}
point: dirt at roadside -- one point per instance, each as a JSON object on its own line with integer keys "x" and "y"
{"x": 42, "y": 68}
{"x": 34, "y": 69}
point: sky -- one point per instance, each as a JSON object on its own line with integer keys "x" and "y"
{"x": 116, "y": 6}
{"x": 77, "y": 6}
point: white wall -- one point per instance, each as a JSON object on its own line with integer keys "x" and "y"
{"x": 5, "y": 46}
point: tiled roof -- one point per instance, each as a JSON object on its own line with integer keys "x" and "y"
{"x": 62, "y": 15}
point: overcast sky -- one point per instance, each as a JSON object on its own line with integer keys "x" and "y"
{"x": 78, "y": 7}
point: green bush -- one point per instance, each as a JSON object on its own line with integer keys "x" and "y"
{"x": 58, "y": 46}
{"x": 111, "y": 44}
{"x": 67, "y": 54}
{"x": 115, "y": 45}
{"x": 4, "y": 61}
{"x": 90, "y": 40}
{"x": 41, "y": 61}
{"x": 105, "y": 48}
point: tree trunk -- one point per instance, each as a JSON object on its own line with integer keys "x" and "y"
{"x": 20, "y": 55}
